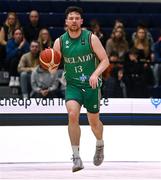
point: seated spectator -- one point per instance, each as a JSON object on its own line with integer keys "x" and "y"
{"x": 16, "y": 47}
{"x": 32, "y": 29}
{"x": 114, "y": 61}
{"x": 2, "y": 53}
{"x": 137, "y": 77}
{"x": 26, "y": 65}
{"x": 6, "y": 31}
{"x": 62, "y": 84}
{"x": 118, "y": 23}
{"x": 45, "y": 84}
{"x": 96, "y": 29}
{"x": 148, "y": 34}
{"x": 118, "y": 43}
{"x": 45, "y": 39}
{"x": 133, "y": 71}
{"x": 142, "y": 45}
{"x": 144, "y": 54}
{"x": 157, "y": 60}
{"x": 114, "y": 87}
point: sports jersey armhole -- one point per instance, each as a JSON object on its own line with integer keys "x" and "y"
{"x": 60, "y": 41}
{"x": 91, "y": 47}
{"x": 90, "y": 42}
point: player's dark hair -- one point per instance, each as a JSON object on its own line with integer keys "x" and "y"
{"x": 74, "y": 9}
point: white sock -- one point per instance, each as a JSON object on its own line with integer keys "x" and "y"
{"x": 17, "y": 78}
{"x": 12, "y": 78}
{"x": 75, "y": 150}
{"x": 25, "y": 95}
{"x": 99, "y": 142}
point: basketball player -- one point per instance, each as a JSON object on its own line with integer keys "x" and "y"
{"x": 84, "y": 61}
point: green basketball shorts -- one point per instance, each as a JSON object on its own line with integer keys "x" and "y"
{"x": 88, "y": 97}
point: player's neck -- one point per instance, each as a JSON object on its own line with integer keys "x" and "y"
{"x": 74, "y": 34}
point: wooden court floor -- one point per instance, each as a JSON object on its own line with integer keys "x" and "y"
{"x": 56, "y": 171}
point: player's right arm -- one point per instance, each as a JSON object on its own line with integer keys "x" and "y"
{"x": 56, "y": 46}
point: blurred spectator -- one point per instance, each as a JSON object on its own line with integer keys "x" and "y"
{"x": 148, "y": 34}
{"x": 45, "y": 84}
{"x": 114, "y": 87}
{"x": 118, "y": 43}
{"x": 96, "y": 29}
{"x": 9, "y": 26}
{"x": 114, "y": 61}
{"x": 142, "y": 45}
{"x": 6, "y": 31}
{"x": 45, "y": 39}
{"x": 16, "y": 47}
{"x": 137, "y": 77}
{"x": 134, "y": 75}
{"x": 32, "y": 29}
{"x": 144, "y": 54}
{"x": 157, "y": 60}
{"x": 26, "y": 65}
{"x": 118, "y": 23}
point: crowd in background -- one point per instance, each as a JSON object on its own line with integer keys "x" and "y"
{"x": 132, "y": 71}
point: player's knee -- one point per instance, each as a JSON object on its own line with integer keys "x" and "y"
{"x": 73, "y": 117}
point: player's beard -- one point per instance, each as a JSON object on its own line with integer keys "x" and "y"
{"x": 74, "y": 29}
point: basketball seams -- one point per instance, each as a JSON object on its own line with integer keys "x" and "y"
{"x": 49, "y": 55}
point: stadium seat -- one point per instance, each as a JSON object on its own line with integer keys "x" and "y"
{"x": 7, "y": 92}
{"x": 129, "y": 7}
{"x": 52, "y": 19}
{"x": 42, "y": 6}
{"x": 89, "y": 7}
{"x": 18, "y": 6}
{"x": 152, "y": 8}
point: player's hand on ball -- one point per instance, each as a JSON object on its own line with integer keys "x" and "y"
{"x": 49, "y": 59}
{"x": 52, "y": 70}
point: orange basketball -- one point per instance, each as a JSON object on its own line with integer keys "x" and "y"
{"x": 49, "y": 58}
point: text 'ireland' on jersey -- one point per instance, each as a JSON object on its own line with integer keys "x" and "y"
{"x": 79, "y": 59}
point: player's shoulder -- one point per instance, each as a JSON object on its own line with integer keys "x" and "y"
{"x": 86, "y": 31}
{"x": 63, "y": 35}
{"x": 90, "y": 33}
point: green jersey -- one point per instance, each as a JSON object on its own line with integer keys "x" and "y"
{"x": 79, "y": 59}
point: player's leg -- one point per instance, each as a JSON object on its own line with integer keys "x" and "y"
{"x": 92, "y": 104}
{"x": 73, "y": 108}
{"x": 73, "y": 98}
{"x": 97, "y": 129}
{"x": 96, "y": 125}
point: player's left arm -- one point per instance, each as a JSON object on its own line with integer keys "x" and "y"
{"x": 102, "y": 56}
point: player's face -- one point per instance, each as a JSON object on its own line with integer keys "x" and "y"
{"x": 74, "y": 21}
